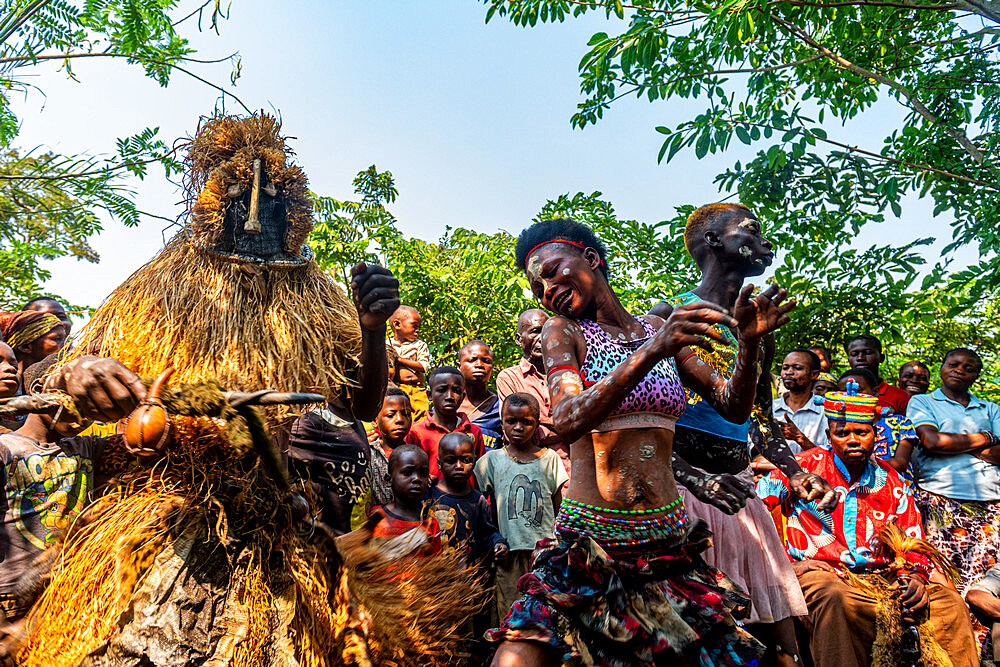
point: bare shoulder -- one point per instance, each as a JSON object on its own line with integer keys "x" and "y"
{"x": 560, "y": 323}
{"x": 656, "y": 321}
{"x": 661, "y": 310}
{"x": 559, "y": 329}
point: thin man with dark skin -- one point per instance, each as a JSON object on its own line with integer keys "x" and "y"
{"x": 799, "y": 371}
{"x": 732, "y": 248}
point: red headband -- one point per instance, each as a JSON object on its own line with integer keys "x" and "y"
{"x": 576, "y": 243}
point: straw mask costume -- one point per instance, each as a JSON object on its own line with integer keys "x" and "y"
{"x": 234, "y": 295}
{"x": 208, "y": 557}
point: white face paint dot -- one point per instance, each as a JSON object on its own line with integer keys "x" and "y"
{"x": 566, "y": 271}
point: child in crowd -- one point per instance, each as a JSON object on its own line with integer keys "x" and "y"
{"x": 462, "y": 512}
{"x": 406, "y": 527}
{"x": 48, "y": 476}
{"x": 446, "y": 386}
{"x": 524, "y": 481}
{"x": 413, "y": 358}
{"x": 464, "y": 517}
{"x": 9, "y": 381}
{"x": 391, "y": 426}
{"x": 824, "y": 384}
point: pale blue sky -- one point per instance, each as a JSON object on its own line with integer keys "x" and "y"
{"x": 472, "y": 119}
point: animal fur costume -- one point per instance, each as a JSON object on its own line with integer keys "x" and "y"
{"x": 200, "y": 558}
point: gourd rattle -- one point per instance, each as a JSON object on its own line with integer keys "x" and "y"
{"x": 148, "y": 430}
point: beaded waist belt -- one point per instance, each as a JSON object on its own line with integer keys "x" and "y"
{"x": 627, "y": 528}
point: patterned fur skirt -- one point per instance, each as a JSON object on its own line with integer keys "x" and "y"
{"x": 658, "y": 603}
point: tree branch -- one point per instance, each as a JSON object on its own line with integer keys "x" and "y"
{"x": 639, "y": 86}
{"x": 855, "y": 149}
{"x": 130, "y": 56}
{"x": 901, "y": 4}
{"x": 198, "y": 10}
{"x": 18, "y": 20}
{"x": 915, "y": 103}
{"x": 989, "y": 9}
{"x": 971, "y": 35}
{"x": 93, "y": 172}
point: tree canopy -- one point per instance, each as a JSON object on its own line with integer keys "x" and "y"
{"x": 779, "y": 74}
{"x": 50, "y": 204}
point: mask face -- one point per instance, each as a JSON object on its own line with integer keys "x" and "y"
{"x": 263, "y": 242}
{"x": 249, "y": 203}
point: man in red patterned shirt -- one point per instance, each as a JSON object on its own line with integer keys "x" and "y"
{"x": 824, "y": 546}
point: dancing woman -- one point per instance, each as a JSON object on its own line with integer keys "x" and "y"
{"x": 623, "y": 582}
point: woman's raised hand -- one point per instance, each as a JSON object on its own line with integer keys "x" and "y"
{"x": 764, "y": 313}
{"x": 692, "y": 324}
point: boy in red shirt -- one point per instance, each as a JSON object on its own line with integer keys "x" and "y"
{"x": 406, "y": 527}
{"x": 446, "y": 387}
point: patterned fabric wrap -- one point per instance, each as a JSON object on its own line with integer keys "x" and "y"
{"x": 968, "y": 533}
{"x": 889, "y": 432}
{"x": 25, "y": 327}
{"x": 638, "y": 606}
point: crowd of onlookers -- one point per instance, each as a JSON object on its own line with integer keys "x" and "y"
{"x": 449, "y": 464}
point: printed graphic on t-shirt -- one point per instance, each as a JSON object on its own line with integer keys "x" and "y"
{"x": 524, "y": 500}
{"x": 48, "y": 492}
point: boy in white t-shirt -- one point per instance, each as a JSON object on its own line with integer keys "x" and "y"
{"x": 524, "y": 482}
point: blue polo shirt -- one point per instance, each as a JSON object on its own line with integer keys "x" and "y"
{"x": 955, "y": 476}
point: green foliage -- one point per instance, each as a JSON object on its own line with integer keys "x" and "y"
{"x": 345, "y": 232}
{"x": 772, "y": 72}
{"x": 464, "y": 285}
{"x": 49, "y": 203}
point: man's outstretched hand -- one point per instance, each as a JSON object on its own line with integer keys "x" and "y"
{"x": 376, "y": 295}
{"x": 103, "y": 389}
{"x": 808, "y": 486}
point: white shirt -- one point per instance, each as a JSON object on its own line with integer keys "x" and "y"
{"x": 810, "y": 419}
{"x": 414, "y": 350}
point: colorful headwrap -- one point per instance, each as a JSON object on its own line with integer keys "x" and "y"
{"x": 25, "y": 327}
{"x": 826, "y": 377}
{"x": 850, "y": 406}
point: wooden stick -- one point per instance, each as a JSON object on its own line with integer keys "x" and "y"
{"x": 252, "y": 225}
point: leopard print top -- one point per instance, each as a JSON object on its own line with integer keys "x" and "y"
{"x": 660, "y": 392}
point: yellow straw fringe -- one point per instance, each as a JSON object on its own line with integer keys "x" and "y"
{"x": 284, "y": 329}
